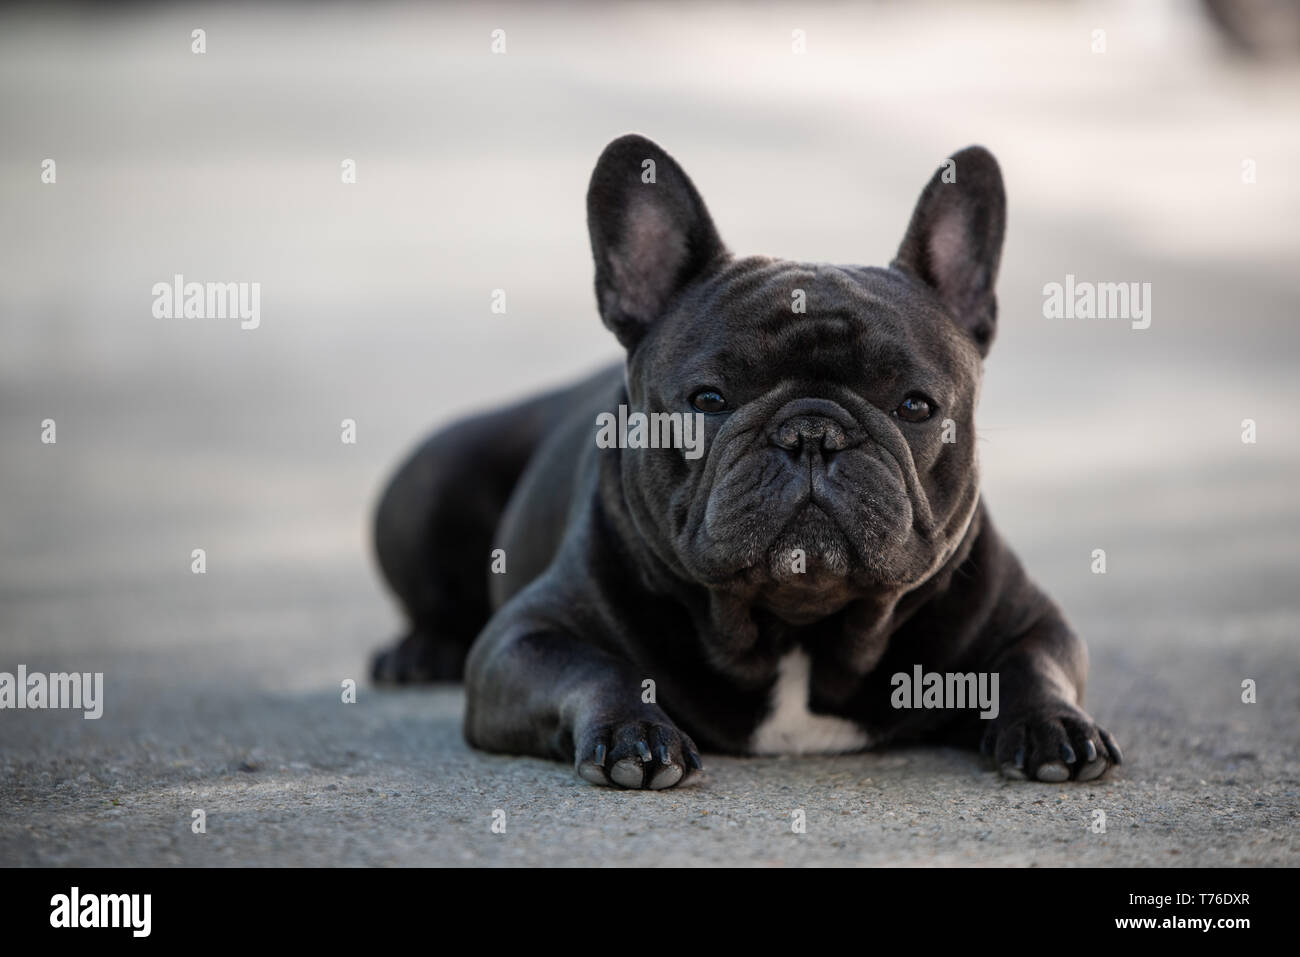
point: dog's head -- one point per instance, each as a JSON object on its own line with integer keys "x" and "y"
{"x": 838, "y": 401}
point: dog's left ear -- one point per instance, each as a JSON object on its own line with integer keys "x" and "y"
{"x": 650, "y": 234}
{"x": 954, "y": 242}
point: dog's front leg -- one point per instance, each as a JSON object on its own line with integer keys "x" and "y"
{"x": 538, "y": 690}
{"x": 1042, "y": 731}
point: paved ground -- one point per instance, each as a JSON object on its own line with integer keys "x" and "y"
{"x": 223, "y": 689}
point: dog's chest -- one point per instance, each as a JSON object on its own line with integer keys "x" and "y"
{"x": 790, "y": 728}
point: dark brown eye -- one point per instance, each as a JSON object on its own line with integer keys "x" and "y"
{"x": 709, "y": 400}
{"x": 914, "y": 408}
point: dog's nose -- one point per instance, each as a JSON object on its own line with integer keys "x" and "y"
{"x": 813, "y": 431}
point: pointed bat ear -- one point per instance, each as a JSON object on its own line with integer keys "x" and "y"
{"x": 954, "y": 241}
{"x": 650, "y": 234}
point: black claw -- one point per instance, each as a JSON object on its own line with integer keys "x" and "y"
{"x": 1067, "y": 754}
{"x": 1090, "y": 754}
{"x": 694, "y": 761}
{"x": 643, "y": 749}
{"x": 600, "y": 755}
{"x": 1111, "y": 746}
{"x": 1020, "y": 758}
{"x": 663, "y": 755}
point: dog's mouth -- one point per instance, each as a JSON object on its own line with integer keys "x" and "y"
{"x": 809, "y": 569}
{"x": 811, "y": 543}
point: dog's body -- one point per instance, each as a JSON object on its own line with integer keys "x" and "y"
{"x": 762, "y": 597}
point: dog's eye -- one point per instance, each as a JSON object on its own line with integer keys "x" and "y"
{"x": 914, "y": 408}
{"x": 709, "y": 400}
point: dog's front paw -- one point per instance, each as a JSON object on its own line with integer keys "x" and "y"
{"x": 1051, "y": 743}
{"x": 636, "y": 753}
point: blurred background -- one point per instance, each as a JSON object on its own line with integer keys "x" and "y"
{"x": 1123, "y": 164}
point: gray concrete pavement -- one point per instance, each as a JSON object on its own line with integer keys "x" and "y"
{"x": 288, "y": 779}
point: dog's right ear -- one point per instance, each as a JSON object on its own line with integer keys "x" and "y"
{"x": 650, "y": 234}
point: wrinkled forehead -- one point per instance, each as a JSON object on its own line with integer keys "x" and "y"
{"x": 816, "y": 320}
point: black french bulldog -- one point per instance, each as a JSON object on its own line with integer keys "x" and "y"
{"x": 759, "y": 597}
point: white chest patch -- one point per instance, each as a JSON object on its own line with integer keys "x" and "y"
{"x": 791, "y": 728}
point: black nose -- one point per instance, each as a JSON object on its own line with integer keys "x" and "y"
{"x": 811, "y": 431}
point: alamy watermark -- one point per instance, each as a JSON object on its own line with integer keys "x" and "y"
{"x": 952, "y": 690}
{"x": 656, "y": 430}
{"x": 35, "y": 690}
{"x": 1098, "y": 300}
{"x": 75, "y": 909}
{"x": 179, "y": 299}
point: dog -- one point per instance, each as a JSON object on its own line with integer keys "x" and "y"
{"x": 623, "y": 608}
